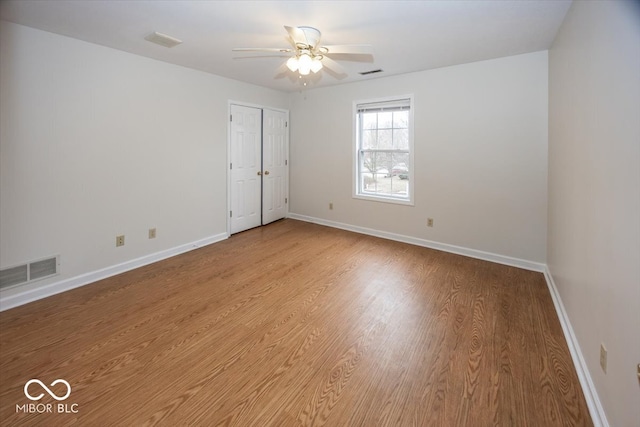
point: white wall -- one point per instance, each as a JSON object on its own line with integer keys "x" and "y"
{"x": 480, "y": 156}
{"x": 95, "y": 142}
{"x": 594, "y": 192}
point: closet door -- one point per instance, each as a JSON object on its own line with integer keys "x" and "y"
{"x": 246, "y": 167}
{"x": 274, "y": 165}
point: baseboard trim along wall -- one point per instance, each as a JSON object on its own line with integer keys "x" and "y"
{"x": 589, "y": 390}
{"x": 21, "y": 298}
{"x": 459, "y": 250}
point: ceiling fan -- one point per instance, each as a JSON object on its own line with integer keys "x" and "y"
{"x": 308, "y": 54}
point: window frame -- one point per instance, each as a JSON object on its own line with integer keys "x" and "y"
{"x": 355, "y": 182}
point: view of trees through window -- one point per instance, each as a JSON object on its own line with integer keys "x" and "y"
{"x": 383, "y": 151}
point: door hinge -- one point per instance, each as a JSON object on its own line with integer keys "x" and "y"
{"x": 230, "y": 214}
{"x": 286, "y": 124}
{"x": 230, "y": 165}
{"x": 286, "y": 200}
{"x": 230, "y": 117}
{"x": 286, "y": 162}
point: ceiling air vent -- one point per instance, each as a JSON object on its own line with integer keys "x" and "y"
{"x": 366, "y": 73}
{"x": 163, "y": 39}
{"x": 25, "y": 273}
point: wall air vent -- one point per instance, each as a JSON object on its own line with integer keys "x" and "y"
{"x": 163, "y": 39}
{"x": 29, "y": 272}
{"x": 366, "y": 73}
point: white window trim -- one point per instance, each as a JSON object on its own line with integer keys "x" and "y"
{"x": 354, "y": 179}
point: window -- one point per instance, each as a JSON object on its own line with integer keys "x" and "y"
{"x": 384, "y": 150}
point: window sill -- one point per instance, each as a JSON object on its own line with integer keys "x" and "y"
{"x": 383, "y": 199}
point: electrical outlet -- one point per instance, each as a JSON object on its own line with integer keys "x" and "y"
{"x": 429, "y": 222}
{"x": 152, "y": 233}
{"x": 603, "y": 358}
{"x": 330, "y": 206}
{"x": 120, "y": 240}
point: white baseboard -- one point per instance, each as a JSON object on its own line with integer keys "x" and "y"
{"x": 472, "y": 253}
{"x": 588, "y": 388}
{"x": 27, "y": 296}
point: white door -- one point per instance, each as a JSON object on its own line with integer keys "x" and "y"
{"x": 274, "y": 165}
{"x": 246, "y": 170}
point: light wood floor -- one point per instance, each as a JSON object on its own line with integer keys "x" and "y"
{"x": 298, "y": 324}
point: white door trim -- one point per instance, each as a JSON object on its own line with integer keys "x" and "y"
{"x": 263, "y": 107}
{"x": 275, "y": 165}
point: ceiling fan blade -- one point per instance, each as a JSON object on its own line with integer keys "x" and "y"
{"x": 282, "y": 69}
{"x": 296, "y": 34}
{"x": 350, "y": 49}
{"x": 333, "y": 65}
{"x": 261, "y": 49}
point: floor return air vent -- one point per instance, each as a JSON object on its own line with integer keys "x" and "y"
{"x": 29, "y": 272}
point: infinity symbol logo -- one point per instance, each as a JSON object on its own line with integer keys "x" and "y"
{"x": 52, "y": 394}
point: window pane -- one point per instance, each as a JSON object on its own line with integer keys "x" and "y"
{"x": 401, "y": 139}
{"x": 385, "y": 120}
{"x": 384, "y": 139}
{"x": 369, "y": 120}
{"x": 369, "y": 163}
{"x": 368, "y": 183}
{"x": 400, "y": 164}
{"x": 379, "y": 184}
{"x": 384, "y": 163}
{"x": 380, "y": 179}
{"x": 384, "y": 185}
{"x": 400, "y": 185}
{"x": 378, "y": 163}
{"x": 369, "y": 139}
{"x": 401, "y": 119}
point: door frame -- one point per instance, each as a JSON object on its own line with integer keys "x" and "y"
{"x": 262, "y": 107}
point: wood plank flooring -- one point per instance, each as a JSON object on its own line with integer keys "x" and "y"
{"x": 297, "y": 324}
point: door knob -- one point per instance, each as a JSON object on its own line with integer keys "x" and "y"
{"x": 266, "y": 172}
{"x": 259, "y": 173}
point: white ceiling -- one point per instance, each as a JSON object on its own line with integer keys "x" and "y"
{"x": 406, "y": 36}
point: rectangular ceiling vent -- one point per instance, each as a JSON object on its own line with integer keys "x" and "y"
{"x": 366, "y": 73}
{"x": 163, "y": 39}
{"x": 29, "y": 272}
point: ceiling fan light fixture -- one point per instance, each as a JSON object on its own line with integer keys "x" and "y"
{"x": 304, "y": 64}
{"x": 308, "y": 55}
{"x": 316, "y": 65}
{"x": 292, "y": 64}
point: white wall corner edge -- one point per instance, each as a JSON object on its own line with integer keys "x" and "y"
{"x": 459, "y": 250}
{"x": 596, "y": 410}
{"x": 21, "y": 298}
